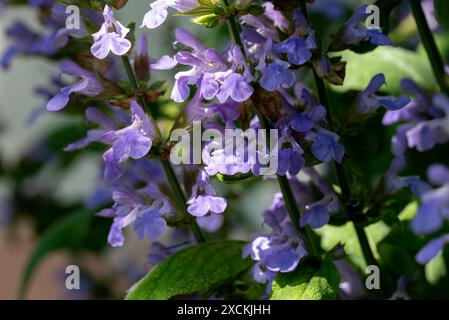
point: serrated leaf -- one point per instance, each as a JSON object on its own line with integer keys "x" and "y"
{"x": 442, "y": 12}
{"x": 395, "y": 63}
{"x": 308, "y": 283}
{"x": 67, "y": 232}
{"x": 192, "y": 270}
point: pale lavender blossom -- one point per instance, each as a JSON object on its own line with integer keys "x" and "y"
{"x": 144, "y": 208}
{"x": 280, "y": 251}
{"x": 111, "y": 37}
{"x": 204, "y": 198}
{"x": 89, "y": 85}
{"x": 369, "y": 102}
{"x": 158, "y": 13}
{"x": 434, "y": 208}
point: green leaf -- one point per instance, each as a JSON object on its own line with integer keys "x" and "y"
{"x": 346, "y": 234}
{"x": 207, "y": 20}
{"x": 397, "y": 251}
{"x": 409, "y": 212}
{"x": 192, "y": 270}
{"x": 442, "y": 12}
{"x": 307, "y": 283}
{"x": 67, "y": 232}
{"x": 436, "y": 269}
{"x": 395, "y": 63}
{"x": 236, "y": 178}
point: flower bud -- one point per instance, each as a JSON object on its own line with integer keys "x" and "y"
{"x": 142, "y": 64}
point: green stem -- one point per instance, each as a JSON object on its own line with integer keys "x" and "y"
{"x": 364, "y": 245}
{"x": 168, "y": 169}
{"x": 294, "y": 214}
{"x": 233, "y": 29}
{"x": 129, "y": 72}
{"x": 428, "y": 41}
{"x": 339, "y": 168}
{"x": 181, "y": 199}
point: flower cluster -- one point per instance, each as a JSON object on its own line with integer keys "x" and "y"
{"x": 262, "y": 81}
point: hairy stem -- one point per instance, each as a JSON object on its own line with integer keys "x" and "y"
{"x": 168, "y": 169}
{"x": 428, "y": 41}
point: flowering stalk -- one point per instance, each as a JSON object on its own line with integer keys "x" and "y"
{"x": 233, "y": 29}
{"x": 340, "y": 171}
{"x": 284, "y": 184}
{"x": 429, "y": 44}
{"x": 169, "y": 172}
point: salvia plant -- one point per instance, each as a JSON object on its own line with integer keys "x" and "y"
{"x": 339, "y": 108}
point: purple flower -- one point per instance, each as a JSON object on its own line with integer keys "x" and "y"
{"x": 116, "y": 238}
{"x": 234, "y": 86}
{"x": 134, "y": 141}
{"x": 210, "y": 72}
{"x": 426, "y": 118}
{"x": 111, "y": 37}
{"x": 332, "y": 9}
{"x": 431, "y": 249}
{"x": 298, "y": 46}
{"x": 416, "y": 110}
{"x": 351, "y": 286}
{"x": 150, "y": 224}
{"x": 211, "y": 223}
{"x": 326, "y": 146}
{"x": 395, "y": 183}
{"x": 262, "y": 26}
{"x": 280, "y": 251}
{"x": 60, "y": 37}
{"x": 297, "y": 50}
{"x": 143, "y": 64}
{"x": 41, "y": 3}
{"x": 229, "y": 158}
{"x": 158, "y": 253}
{"x": 276, "y": 16}
{"x": 317, "y": 213}
{"x": 434, "y": 207}
{"x": 228, "y": 112}
{"x": 369, "y": 102}
{"x": 145, "y": 208}
{"x": 25, "y": 41}
{"x": 89, "y": 86}
{"x": 158, "y": 12}
{"x": 290, "y": 156}
{"x": 310, "y": 117}
{"x": 95, "y": 116}
{"x": 316, "y": 216}
{"x": 426, "y": 134}
{"x": 204, "y": 199}
{"x": 355, "y": 32}
{"x": 277, "y": 75}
